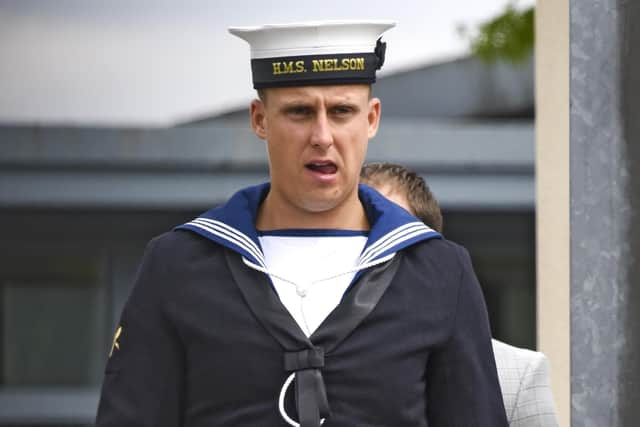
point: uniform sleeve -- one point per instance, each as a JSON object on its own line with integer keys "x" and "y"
{"x": 534, "y": 406}
{"x": 462, "y": 382}
{"x": 143, "y": 380}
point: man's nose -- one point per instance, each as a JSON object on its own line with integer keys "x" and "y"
{"x": 321, "y": 135}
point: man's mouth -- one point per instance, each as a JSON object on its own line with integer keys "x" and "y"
{"x": 322, "y": 167}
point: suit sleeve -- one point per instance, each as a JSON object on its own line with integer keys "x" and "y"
{"x": 534, "y": 405}
{"x": 143, "y": 380}
{"x": 462, "y": 382}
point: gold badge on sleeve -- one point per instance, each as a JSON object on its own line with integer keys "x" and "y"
{"x": 116, "y": 344}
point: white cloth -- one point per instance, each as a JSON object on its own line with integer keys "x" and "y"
{"x": 311, "y": 273}
{"x": 526, "y": 386}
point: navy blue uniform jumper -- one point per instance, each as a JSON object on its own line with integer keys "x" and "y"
{"x": 205, "y": 341}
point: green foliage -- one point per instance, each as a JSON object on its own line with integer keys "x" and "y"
{"x": 509, "y": 36}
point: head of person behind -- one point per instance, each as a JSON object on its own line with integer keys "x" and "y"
{"x": 316, "y": 114}
{"x": 406, "y": 188}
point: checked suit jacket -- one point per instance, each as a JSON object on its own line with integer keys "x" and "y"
{"x": 526, "y": 386}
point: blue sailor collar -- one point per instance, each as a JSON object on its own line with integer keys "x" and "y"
{"x": 233, "y": 225}
{"x": 392, "y": 227}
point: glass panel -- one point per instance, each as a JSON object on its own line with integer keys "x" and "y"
{"x": 53, "y": 331}
{"x": 502, "y": 247}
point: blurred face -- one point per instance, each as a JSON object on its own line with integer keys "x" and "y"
{"x": 317, "y": 138}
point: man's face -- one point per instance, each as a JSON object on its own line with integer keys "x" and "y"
{"x": 317, "y": 139}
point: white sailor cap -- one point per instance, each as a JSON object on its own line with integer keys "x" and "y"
{"x": 315, "y": 53}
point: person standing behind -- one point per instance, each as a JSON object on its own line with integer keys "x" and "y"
{"x": 523, "y": 374}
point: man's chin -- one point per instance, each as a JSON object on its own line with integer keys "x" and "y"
{"x": 324, "y": 202}
{"x": 319, "y": 206}
{"x": 320, "y": 201}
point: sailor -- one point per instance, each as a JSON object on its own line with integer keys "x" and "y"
{"x": 308, "y": 300}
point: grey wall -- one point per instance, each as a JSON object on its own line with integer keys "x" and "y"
{"x": 469, "y": 165}
{"x": 467, "y": 87}
{"x": 629, "y": 386}
{"x": 605, "y": 213}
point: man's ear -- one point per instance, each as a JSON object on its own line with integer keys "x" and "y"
{"x": 258, "y": 118}
{"x": 373, "y": 116}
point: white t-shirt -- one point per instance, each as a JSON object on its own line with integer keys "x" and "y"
{"x": 312, "y": 270}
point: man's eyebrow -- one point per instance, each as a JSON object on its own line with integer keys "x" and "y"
{"x": 295, "y": 103}
{"x": 343, "y": 101}
{"x": 291, "y": 105}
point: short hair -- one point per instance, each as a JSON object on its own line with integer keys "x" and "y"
{"x": 419, "y": 197}
{"x": 262, "y": 93}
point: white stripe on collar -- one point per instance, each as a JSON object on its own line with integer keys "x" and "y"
{"x": 394, "y": 238}
{"x": 230, "y": 234}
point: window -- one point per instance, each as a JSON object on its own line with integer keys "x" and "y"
{"x": 55, "y": 323}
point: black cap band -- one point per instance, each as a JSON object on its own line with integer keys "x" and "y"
{"x": 349, "y": 68}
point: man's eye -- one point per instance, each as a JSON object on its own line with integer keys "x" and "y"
{"x": 299, "y": 111}
{"x": 342, "y": 110}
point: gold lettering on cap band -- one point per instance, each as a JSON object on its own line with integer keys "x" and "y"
{"x": 350, "y": 68}
{"x": 333, "y": 64}
{"x": 288, "y": 67}
{"x": 318, "y": 65}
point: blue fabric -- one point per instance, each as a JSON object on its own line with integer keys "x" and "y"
{"x": 233, "y": 225}
{"x": 193, "y": 353}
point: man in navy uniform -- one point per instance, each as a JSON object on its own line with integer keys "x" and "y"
{"x": 308, "y": 300}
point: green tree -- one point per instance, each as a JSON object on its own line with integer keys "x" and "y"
{"x": 509, "y": 36}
